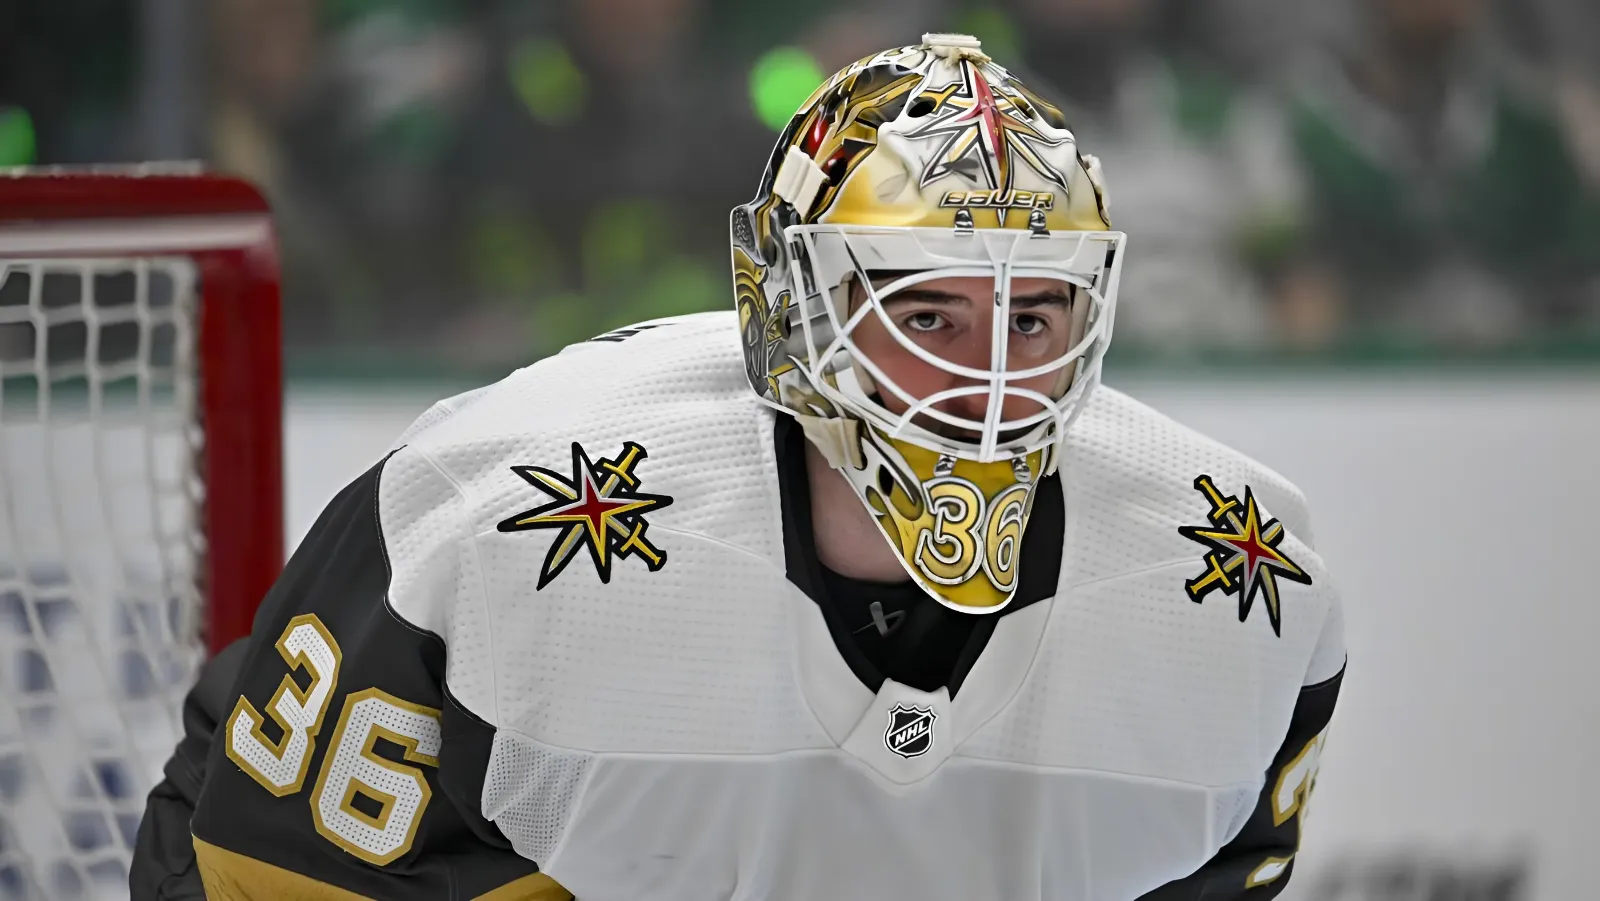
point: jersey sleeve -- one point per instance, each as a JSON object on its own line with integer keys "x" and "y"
{"x": 1257, "y": 863}
{"x": 163, "y": 866}
{"x": 342, "y": 767}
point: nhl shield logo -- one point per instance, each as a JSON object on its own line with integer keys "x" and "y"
{"x": 910, "y": 732}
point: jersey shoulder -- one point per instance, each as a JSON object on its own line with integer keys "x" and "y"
{"x": 1169, "y": 514}
{"x": 659, "y": 416}
{"x": 286, "y": 808}
{"x": 663, "y": 408}
{"x": 1136, "y": 476}
{"x": 686, "y": 359}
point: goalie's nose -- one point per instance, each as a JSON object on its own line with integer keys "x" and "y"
{"x": 973, "y": 407}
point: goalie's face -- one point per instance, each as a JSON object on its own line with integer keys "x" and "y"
{"x": 953, "y": 319}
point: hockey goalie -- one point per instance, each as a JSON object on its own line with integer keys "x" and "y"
{"x": 864, "y": 590}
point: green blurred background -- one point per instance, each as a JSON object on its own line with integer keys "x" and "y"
{"x": 465, "y": 186}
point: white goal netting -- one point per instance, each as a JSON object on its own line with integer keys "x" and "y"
{"x": 100, "y": 559}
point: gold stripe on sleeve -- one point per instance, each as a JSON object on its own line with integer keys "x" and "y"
{"x": 534, "y": 887}
{"x": 229, "y": 876}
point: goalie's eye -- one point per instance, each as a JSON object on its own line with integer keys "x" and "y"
{"x": 923, "y": 321}
{"x": 1028, "y": 324}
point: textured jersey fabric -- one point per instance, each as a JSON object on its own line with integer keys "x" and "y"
{"x": 698, "y": 721}
{"x": 682, "y": 724}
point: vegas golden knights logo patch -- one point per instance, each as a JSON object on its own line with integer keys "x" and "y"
{"x": 1242, "y": 556}
{"x": 910, "y": 732}
{"x": 599, "y": 507}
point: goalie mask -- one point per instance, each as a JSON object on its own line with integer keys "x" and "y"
{"x": 926, "y": 280}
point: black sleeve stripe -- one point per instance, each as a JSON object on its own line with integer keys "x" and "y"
{"x": 472, "y": 741}
{"x": 1332, "y": 682}
{"x": 163, "y": 865}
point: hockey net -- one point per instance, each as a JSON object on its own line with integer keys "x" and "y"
{"x": 140, "y": 492}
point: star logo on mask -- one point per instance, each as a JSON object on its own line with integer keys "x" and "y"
{"x": 599, "y": 507}
{"x": 1243, "y": 556}
{"x": 981, "y": 132}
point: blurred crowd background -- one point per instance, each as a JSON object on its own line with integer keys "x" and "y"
{"x": 470, "y": 184}
{"x": 463, "y": 186}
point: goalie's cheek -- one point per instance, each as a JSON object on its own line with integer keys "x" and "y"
{"x": 910, "y": 373}
{"x": 1016, "y": 407}
{"x": 915, "y": 377}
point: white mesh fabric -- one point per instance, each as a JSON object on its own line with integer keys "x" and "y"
{"x": 529, "y": 790}
{"x": 99, "y": 557}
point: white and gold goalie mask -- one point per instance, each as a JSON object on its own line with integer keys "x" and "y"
{"x": 908, "y": 172}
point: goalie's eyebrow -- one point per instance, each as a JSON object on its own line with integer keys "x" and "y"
{"x": 1053, "y": 296}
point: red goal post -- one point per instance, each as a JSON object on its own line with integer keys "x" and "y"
{"x": 141, "y": 490}
{"x": 223, "y": 224}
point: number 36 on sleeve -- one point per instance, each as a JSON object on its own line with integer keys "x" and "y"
{"x": 395, "y": 794}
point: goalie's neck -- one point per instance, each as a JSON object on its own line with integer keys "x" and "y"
{"x": 848, "y": 542}
{"x": 916, "y": 643}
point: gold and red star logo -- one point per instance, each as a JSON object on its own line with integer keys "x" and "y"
{"x": 599, "y": 507}
{"x": 980, "y": 130}
{"x": 1243, "y": 556}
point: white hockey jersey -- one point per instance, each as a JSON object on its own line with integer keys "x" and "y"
{"x": 597, "y": 544}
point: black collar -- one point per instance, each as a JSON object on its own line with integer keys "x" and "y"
{"x": 1041, "y": 557}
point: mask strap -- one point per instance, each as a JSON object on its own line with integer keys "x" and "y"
{"x": 838, "y": 439}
